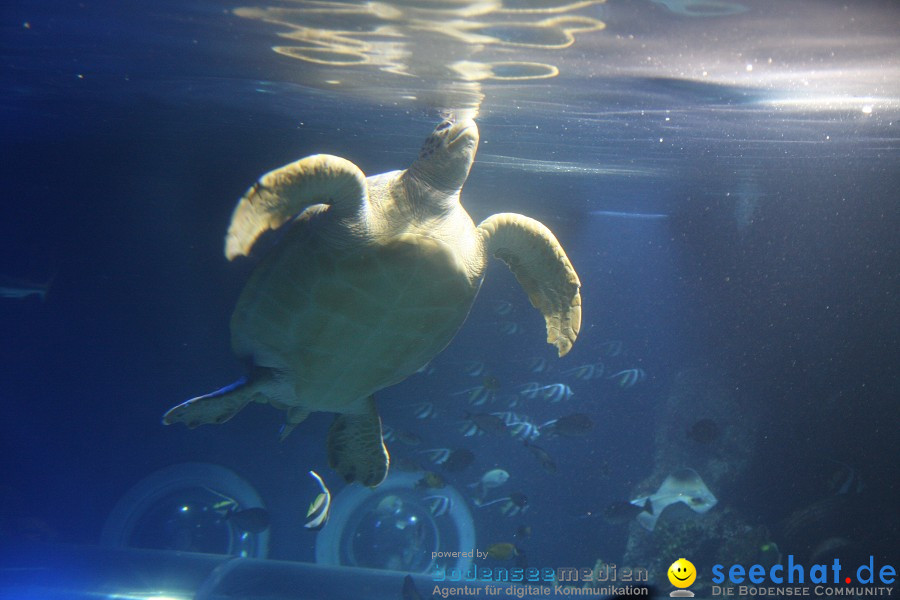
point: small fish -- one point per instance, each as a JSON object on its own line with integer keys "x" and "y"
{"x": 512, "y": 505}
{"x": 426, "y": 369}
{"x": 845, "y": 480}
{"x": 251, "y": 520}
{"x": 473, "y": 368}
{"x": 546, "y": 462}
{"x": 523, "y": 532}
{"x": 510, "y": 400}
{"x": 510, "y": 328}
{"x": 20, "y": 289}
{"x": 629, "y": 215}
{"x": 621, "y": 513}
{"x": 515, "y": 505}
{"x": 459, "y": 460}
{"x": 223, "y": 507}
{"x": 470, "y": 429}
{"x": 502, "y": 551}
{"x": 389, "y": 506}
{"x": 407, "y": 437}
{"x": 503, "y": 308}
{"x": 611, "y": 348}
{"x": 407, "y": 465}
{"x": 538, "y": 364}
{"x": 480, "y": 504}
{"x": 524, "y": 430}
{"x": 586, "y": 372}
{"x": 507, "y": 417}
{"x": 491, "y": 479}
{"x": 529, "y": 390}
{"x": 438, "y": 506}
{"x": 437, "y": 455}
{"x": 556, "y": 392}
{"x": 628, "y": 377}
{"x": 487, "y": 422}
{"x": 320, "y": 508}
{"x": 388, "y": 434}
{"x": 477, "y": 395}
{"x": 574, "y": 425}
{"x": 430, "y": 480}
{"x": 424, "y": 410}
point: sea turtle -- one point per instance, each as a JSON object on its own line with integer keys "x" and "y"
{"x": 371, "y": 281}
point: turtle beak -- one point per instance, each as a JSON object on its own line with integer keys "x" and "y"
{"x": 464, "y": 131}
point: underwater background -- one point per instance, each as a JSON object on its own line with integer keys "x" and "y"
{"x": 724, "y": 178}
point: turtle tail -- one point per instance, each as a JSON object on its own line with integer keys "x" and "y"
{"x": 355, "y": 446}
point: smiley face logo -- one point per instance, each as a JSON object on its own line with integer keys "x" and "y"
{"x": 682, "y": 573}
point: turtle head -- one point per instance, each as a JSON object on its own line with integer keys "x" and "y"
{"x": 447, "y": 155}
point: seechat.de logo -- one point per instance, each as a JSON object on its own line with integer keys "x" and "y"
{"x": 795, "y": 573}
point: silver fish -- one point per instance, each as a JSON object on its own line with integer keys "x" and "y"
{"x": 507, "y": 417}
{"x": 538, "y": 364}
{"x": 487, "y": 422}
{"x": 611, "y": 348}
{"x": 473, "y": 368}
{"x": 629, "y": 215}
{"x": 320, "y": 508}
{"x": 524, "y": 430}
{"x": 546, "y": 461}
{"x": 530, "y": 390}
{"x": 470, "y": 429}
{"x": 628, "y": 377}
{"x": 438, "y": 505}
{"x": 586, "y": 372}
{"x": 491, "y": 479}
{"x": 477, "y": 395}
{"x": 556, "y": 392}
{"x": 19, "y": 289}
{"x": 437, "y": 455}
{"x": 574, "y": 425}
{"x": 426, "y": 369}
{"x": 503, "y": 308}
{"x": 511, "y": 400}
{"x": 510, "y": 327}
{"x": 424, "y": 410}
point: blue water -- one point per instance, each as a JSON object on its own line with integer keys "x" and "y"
{"x": 726, "y": 187}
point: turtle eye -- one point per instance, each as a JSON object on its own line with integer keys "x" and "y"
{"x": 443, "y": 126}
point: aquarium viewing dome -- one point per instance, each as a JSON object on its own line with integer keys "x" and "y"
{"x": 392, "y": 527}
{"x": 185, "y": 507}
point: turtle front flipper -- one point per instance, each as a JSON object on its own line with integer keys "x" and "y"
{"x": 355, "y": 447}
{"x": 282, "y": 194}
{"x": 541, "y": 266}
{"x": 215, "y": 407}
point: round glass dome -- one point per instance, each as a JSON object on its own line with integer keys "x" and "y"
{"x": 394, "y": 527}
{"x": 191, "y": 507}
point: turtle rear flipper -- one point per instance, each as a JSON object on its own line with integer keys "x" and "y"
{"x": 215, "y": 407}
{"x": 355, "y": 447}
